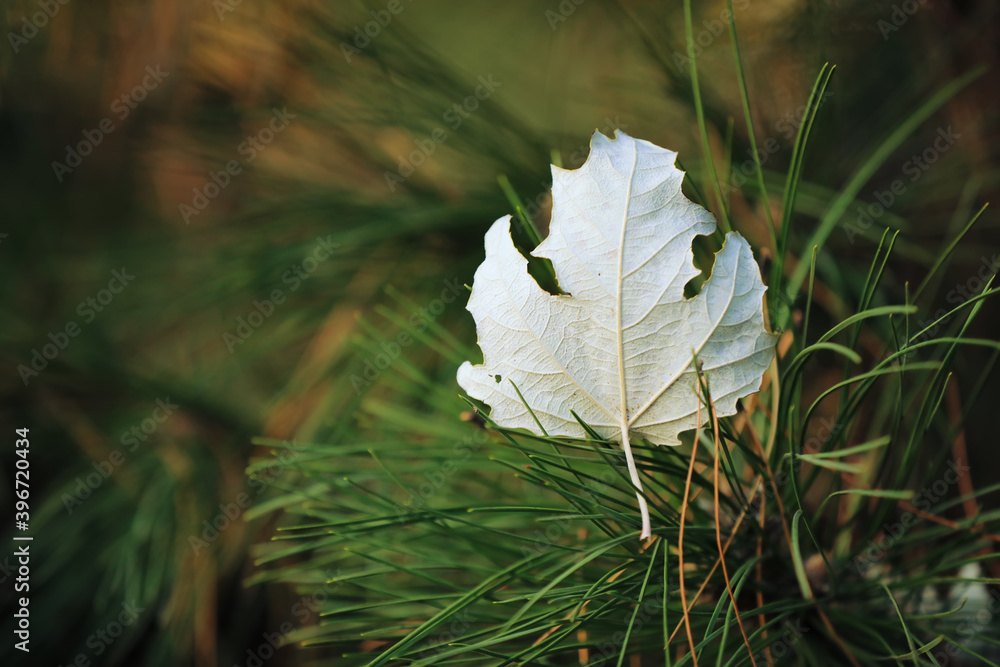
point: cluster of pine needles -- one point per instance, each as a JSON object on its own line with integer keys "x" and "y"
{"x": 816, "y": 528}
{"x": 824, "y": 524}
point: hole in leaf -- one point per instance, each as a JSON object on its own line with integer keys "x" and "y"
{"x": 539, "y": 268}
{"x": 705, "y": 248}
{"x": 543, "y": 272}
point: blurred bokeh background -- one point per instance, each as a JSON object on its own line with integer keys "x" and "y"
{"x": 199, "y": 198}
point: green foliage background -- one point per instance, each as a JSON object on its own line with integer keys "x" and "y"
{"x": 293, "y": 381}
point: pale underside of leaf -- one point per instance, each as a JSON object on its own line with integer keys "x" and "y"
{"x": 617, "y": 348}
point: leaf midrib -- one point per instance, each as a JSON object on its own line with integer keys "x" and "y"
{"x": 620, "y": 329}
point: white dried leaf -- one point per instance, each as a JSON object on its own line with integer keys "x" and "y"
{"x": 618, "y": 347}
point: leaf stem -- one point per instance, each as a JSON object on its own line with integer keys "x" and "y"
{"x": 634, "y": 474}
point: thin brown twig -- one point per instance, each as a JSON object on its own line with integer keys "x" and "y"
{"x": 740, "y": 424}
{"x": 765, "y": 457}
{"x": 947, "y": 522}
{"x": 718, "y": 529}
{"x": 851, "y": 482}
{"x": 836, "y": 638}
{"x": 582, "y": 612}
{"x": 725, "y": 548}
{"x": 958, "y": 450}
{"x": 680, "y": 543}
